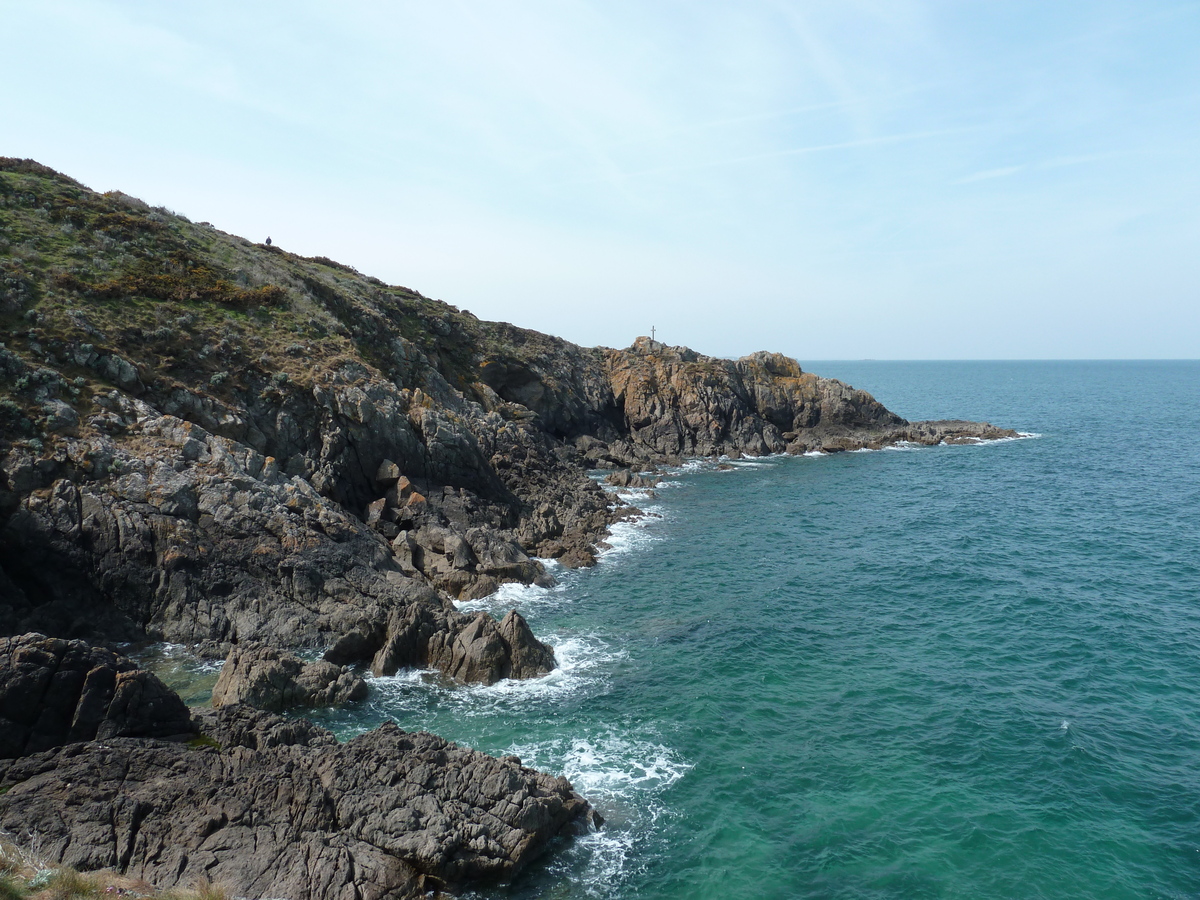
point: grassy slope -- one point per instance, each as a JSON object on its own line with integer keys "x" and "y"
{"x": 192, "y": 306}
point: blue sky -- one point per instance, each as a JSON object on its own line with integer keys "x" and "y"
{"x": 832, "y": 179}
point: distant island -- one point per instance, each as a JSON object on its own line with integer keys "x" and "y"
{"x": 266, "y": 457}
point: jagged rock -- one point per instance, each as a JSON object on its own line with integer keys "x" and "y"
{"x": 219, "y": 548}
{"x": 278, "y": 808}
{"x": 386, "y": 475}
{"x": 401, "y": 492}
{"x": 627, "y": 479}
{"x": 376, "y": 510}
{"x": 484, "y": 651}
{"x": 474, "y": 649}
{"x": 465, "y": 566}
{"x": 275, "y": 680}
{"x": 55, "y": 692}
{"x": 528, "y": 656}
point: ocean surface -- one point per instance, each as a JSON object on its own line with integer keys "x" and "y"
{"x": 960, "y": 672}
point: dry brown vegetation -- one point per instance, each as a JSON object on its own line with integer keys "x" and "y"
{"x": 24, "y": 875}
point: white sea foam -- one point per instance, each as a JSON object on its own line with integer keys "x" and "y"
{"x": 1021, "y": 436}
{"x": 635, "y": 494}
{"x": 633, "y": 534}
{"x": 181, "y": 653}
{"x": 514, "y": 595}
{"x": 624, "y": 777}
{"x": 618, "y": 766}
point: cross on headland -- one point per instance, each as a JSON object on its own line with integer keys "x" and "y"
{"x": 652, "y": 332}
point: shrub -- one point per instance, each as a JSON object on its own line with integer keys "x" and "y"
{"x": 176, "y": 278}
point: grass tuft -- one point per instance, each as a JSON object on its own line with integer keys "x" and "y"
{"x": 12, "y": 888}
{"x": 68, "y": 884}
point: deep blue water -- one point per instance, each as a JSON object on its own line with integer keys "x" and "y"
{"x": 968, "y": 672}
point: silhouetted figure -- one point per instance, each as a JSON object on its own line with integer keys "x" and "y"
{"x": 268, "y": 242}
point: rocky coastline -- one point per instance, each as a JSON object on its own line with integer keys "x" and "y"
{"x": 220, "y": 444}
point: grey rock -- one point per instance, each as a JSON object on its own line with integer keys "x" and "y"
{"x": 276, "y": 680}
{"x": 627, "y": 479}
{"x": 60, "y": 417}
{"x": 54, "y": 692}
{"x": 485, "y": 651}
{"x": 279, "y": 809}
{"x": 386, "y": 475}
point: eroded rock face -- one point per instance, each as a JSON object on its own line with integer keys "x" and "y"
{"x": 197, "y": 539}
{"x": 283, "y": 810}
{"x": 679, "y": 403}
{"x": 276, "y": 680}
{"x": 54, "y": 692}
{"x": 476, "y": 649}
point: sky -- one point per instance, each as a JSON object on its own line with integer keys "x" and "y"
{"x": 833, "y": 179}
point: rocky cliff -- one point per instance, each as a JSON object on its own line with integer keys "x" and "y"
{"x": 211, "y": 441}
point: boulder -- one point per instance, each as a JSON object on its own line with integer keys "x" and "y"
{"x": 275, "y": 680}
{"x": 387, "y": 474}
{"x": 486, "y": 651}
{"x": 55, "y": 692}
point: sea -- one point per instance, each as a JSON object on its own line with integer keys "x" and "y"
{"x": 920, "y": 672}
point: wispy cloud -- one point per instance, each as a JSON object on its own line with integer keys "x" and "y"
{"x": 989, "y": 174}
{"x": 1058, "y": 162}
{"x": 798, "y": 151}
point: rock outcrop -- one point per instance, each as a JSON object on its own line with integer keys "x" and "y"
{"x": 679, "y": 403}
{"x": 214, "y": 442}
{"x": 265, "y": 805}
{"x": 55, "y": 692}
{"x": 278, "y": 808}
{"x": 197, "y": 539}
{"x": 276, "y": 680}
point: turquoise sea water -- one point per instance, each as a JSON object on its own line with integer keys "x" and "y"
{"x": 968, "y": 672}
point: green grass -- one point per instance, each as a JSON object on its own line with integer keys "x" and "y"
{"x": 196, "y": 308}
